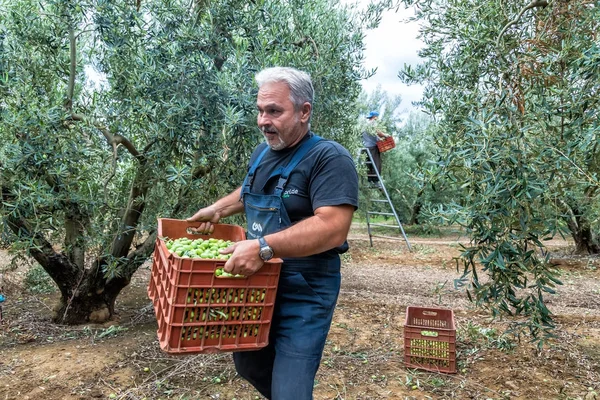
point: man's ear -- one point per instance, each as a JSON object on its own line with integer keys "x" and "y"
{"x": 305, "y": 112}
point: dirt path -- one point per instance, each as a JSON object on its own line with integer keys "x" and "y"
{"x": 364, "y": 354}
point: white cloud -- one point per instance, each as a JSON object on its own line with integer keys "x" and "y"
{"x": 390, "y": 46}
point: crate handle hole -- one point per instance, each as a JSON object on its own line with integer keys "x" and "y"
{"x": 429, "y": 333}
{"x": 431, "y": 313}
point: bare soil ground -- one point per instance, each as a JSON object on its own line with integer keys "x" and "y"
{"x": 363, "y": 357}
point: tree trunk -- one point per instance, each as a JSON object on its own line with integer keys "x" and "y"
{"x": 416, "y": 208}
{"x": 86, "y": 303}
{"x": 586, "y": 242}
{"x": 92, "y": 298}
{"x": 414, "y": 216}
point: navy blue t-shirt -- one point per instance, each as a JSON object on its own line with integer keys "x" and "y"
{"x": 326, "y": 176}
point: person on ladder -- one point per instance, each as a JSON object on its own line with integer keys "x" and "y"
{"x": 371, "y": 134}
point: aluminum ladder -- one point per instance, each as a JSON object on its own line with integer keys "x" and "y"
{"x": 386, "y": 202}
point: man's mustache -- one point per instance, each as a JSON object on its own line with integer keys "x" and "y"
{"x": 269, "y": 130}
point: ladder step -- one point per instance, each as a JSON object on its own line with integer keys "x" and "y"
{"x": 380, "y": 213}
{"x": 386, "y": 225}
{"x": 388, "y": 237}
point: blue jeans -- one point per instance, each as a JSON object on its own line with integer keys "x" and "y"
{"x": 306, "y": 298}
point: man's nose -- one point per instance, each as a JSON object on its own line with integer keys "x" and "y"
{"x": 263, "y": 119}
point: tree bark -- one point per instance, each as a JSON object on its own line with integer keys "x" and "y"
{"x": 75, "y": 225}
{"x": 586, "y": 241}
{"x": 414, "y": 217}
{"x": 416, "y": 208}
{"x": 135, "y": 207}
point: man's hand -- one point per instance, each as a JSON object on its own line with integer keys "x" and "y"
{"x": 208, "y": 216}
{"x": 244, "y": 258}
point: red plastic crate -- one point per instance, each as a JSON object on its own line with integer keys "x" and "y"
{"x": 430, "y": 339}
{"x": 386, "y": 144}
{"x": 198, "y": 312}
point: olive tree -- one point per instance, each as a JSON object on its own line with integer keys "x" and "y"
{"x": 513, "y": 87}
{"x": 413, "y": 180}
{"x": 114, "y": 113}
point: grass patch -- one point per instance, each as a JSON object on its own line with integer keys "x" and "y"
{"x": 37, "y": 281}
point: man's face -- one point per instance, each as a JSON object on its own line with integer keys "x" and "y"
{"x": 281, "y": 124}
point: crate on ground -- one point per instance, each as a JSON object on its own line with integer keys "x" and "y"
{"x": 386, "y": 144}
{"x": 430, "y": 339}
{"x": 198, "y": 312}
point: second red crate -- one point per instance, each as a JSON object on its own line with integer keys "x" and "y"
{"x": 430, "y": 339}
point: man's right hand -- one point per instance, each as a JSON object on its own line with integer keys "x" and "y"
{"x": 208, "y": 216}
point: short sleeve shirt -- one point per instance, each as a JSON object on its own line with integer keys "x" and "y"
{"x": 326, "y": 176}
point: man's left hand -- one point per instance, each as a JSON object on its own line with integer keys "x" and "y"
{"x": 244, "y": 258}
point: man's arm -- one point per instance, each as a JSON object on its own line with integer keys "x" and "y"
{"x": 224, "y": 207}
{"x": 327, "y": 229}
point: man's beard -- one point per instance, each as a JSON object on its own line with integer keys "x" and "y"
{"x": 277, "y": 146}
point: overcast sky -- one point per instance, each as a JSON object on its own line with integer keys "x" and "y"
{"x": 388, "y": 48}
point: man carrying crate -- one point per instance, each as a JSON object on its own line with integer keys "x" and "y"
{"x": 371, "y": 134}
{"x": 299, "y": 197}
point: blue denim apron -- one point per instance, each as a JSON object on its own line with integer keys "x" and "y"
{"x": 265, "y": 213}
{"x": 306, "y": 297}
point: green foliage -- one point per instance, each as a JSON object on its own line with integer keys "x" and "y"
{"x": 113, "y": 114}
{"x": 412, "y": 177}
{"x": 516, "y": 105}
{"x": 37, "y": 281}
{"x": 475, "y": 337}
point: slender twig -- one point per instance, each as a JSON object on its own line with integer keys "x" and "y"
{"x": 314, "y": 46}
{"x": 72, "y": 69}
{"x": 114, "y": 170}
{"x": 581, "y": 171}
{"x": 42, "y": 303}
{"x": 73, "y": 295}
{"x": 533, "y": 4}
{"x": 82, "y": 32}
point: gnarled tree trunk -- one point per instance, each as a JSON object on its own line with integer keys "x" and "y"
{"x": 586, "y": 241}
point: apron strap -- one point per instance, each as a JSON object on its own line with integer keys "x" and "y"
{"x": 250, "y": 176}
{"x": 282, "y": 172}
{"x": 298, "y": 156}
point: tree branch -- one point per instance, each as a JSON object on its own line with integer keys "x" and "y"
{"x": 533, "y": 4}
{"x": 131, "y": 264}
{"x": 135, "y": 207}
{"x": 301, "y": 42}
{"x": 110, "y": 138}
{"x": 72, "y": 69}
{"x": 118, "y": 139}
{"x": 76, "y": 222}
{"x": 114, "y": 169}
{"x": 62, "y": 271}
